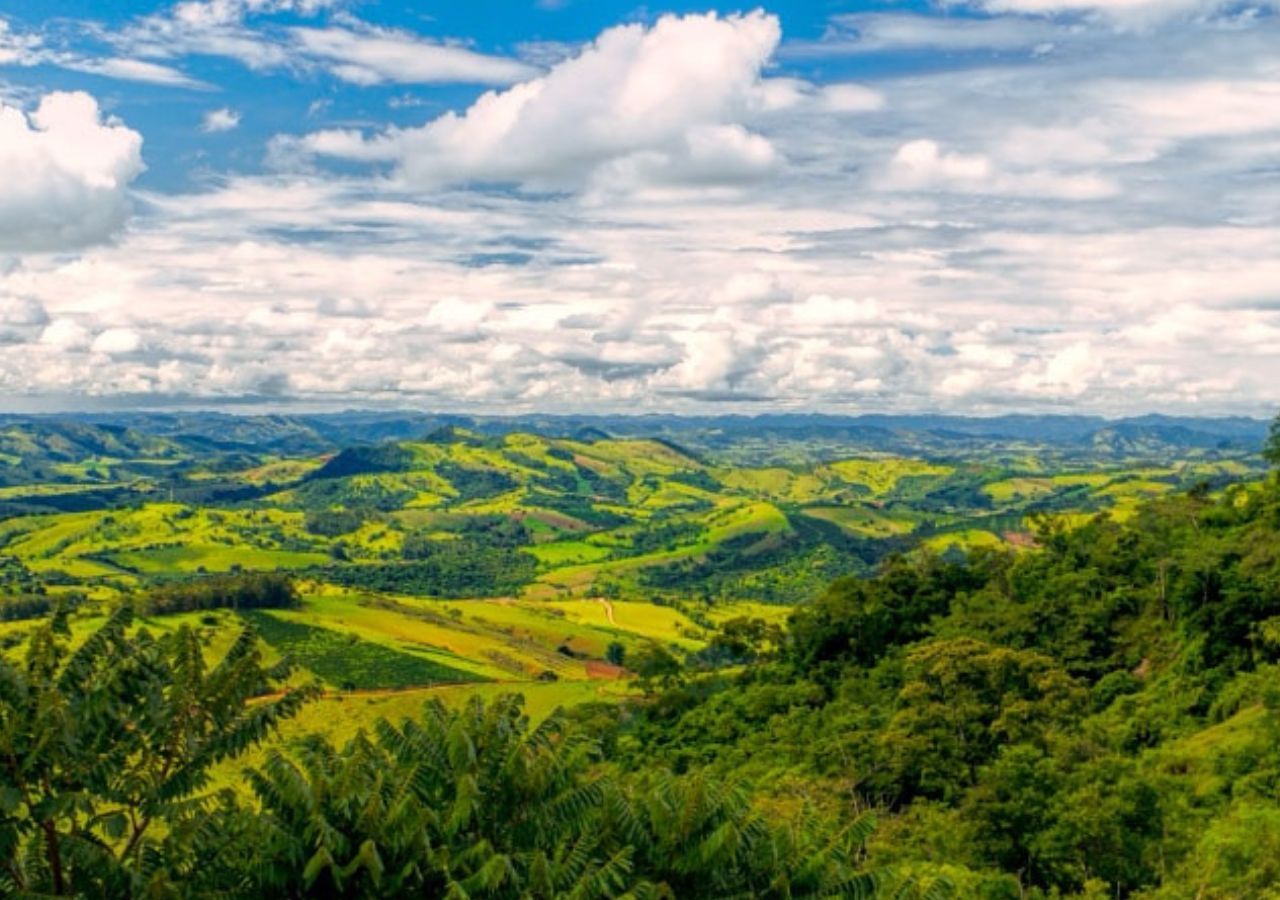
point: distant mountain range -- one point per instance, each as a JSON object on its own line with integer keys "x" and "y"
{"x": 770, "y": 437}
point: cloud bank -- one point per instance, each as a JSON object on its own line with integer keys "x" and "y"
{"x": 976, "y": 213}
{"x": 66, "y": 174}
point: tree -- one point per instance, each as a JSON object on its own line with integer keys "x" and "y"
{"x": 104, "y": 752}
{"x": 1271, "y": 450}
{"x": 478, "y": 802}
{"x": 962, "y": 700}
{"x": 656, "y": 665}
{"x": 1009, "y": 809}
{"x": 743, "y": 639}
{"x": 616, "y": 653}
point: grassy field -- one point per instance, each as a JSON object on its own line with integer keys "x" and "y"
{"x": 861, "y": 520}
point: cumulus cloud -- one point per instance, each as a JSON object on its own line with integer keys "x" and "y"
{"x": 67, "y": 171}
{"x": 116, "y": 341}
{"x": 22, "y": 311}
{"x": 655, "y": 103}
{"x": 65, "y": 334}
{"x": 218, "y": 120}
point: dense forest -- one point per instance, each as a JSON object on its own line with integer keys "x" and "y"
{"x": 1094, "y": 717}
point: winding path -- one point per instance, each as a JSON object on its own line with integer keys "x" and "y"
{"x": 608, "y": 611}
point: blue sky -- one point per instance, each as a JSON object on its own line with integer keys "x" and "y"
{"x": 274, "y": 97}
{"x": 972, "y": 206}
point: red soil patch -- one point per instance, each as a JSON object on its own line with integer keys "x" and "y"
{"x": 1020, "y": 539}
{"x": 597, "y": 670}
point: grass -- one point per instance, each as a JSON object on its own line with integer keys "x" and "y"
{"x": 423, "y": 627}
{"x": 861, "y": 520}
{"x": 779, "y": 484}
{"x": 772, "y": 613}
{"x": 195, "y": 558}
{"x": 881, "y": 476}
{"x": 1022, "y": 488}
{"x": 340, "y": 716}
{"x": 346, "y": 661}
{"x": 51, "y": 490}
{"x": 647, "y": 620}
{"x": 562, "y": 553}
{"x": 963, "y": 540}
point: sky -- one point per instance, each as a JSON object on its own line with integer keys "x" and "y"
{"x": 500, "y": 206}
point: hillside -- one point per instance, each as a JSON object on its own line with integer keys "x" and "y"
{"x": 1094, "y": 718}
{"x": 1088, "y": 712}
{"x": 533, "y": 516}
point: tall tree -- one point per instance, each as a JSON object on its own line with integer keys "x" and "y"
{"x": 106, "y": 751}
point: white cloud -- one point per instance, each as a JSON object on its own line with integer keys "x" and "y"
{"x": 922, "y": 165}
{"x": 218, "y": 120}
{"x": 65, "y": 334}
{"x": 26, "y": 49}
{"x": 212, "y": 28}
{"x": 850, "y": 98}
{"x": 132, "y": 70}
{"x": 1140, "y": 13}
{"x": 17, "y": 49}
{"x": 116, "y": 341}
{"x": 1182, "y": 108}
{"x": 355, "y": 52}
{"x": 456, "y": 315}
{"x": 661, "y": 103}
{"x": 66, "y": 173}
{"x": 22, "y": 311}
{"x": 375, "y": 55}
{"x": 880, "y": 32}
{"x": 920, "y": 240}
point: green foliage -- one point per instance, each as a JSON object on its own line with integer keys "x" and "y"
{"x": 106, "y": 748}
{"x": 477, "y": 803}
{"x": 656, "y": 666}
{"x": 961, "y": 701}
{"x": 615, "y": 653}
{"x": 474, "y": 483}
{"x": 333, "y": 522}
{"x": 365, "y": 460}
{"x": 1097, "y": 718}
{"x": 258, "y": 590}
{"x": 30, "y": 606}
{"x": 1271, "y": 450}
{"x": 859, "y": 620}
{"x": 457, "y": 568}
